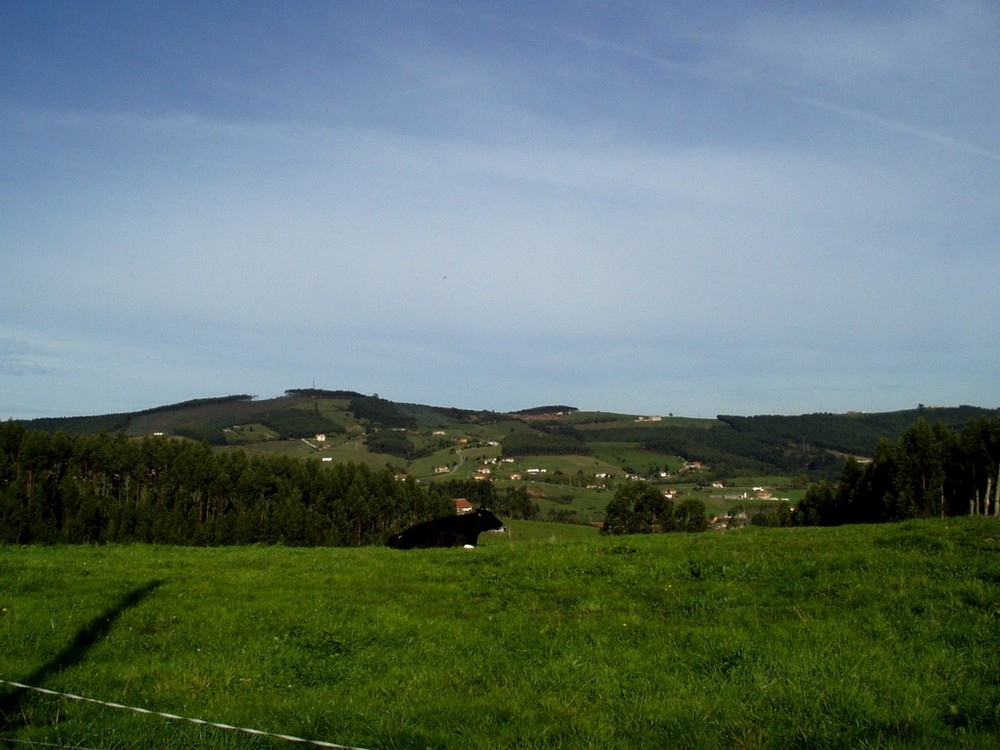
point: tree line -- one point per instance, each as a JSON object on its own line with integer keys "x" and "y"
{"x": 60, "y": 488}
{"x": 853, "y": 433}
{"x": 546, "y": 440}
{"x": 641, "y": 508}
{"x": 932, "y": 470}
{"x": 810, "y": 445}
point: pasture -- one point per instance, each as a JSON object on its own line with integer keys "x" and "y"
{"x": 866, "y": 636}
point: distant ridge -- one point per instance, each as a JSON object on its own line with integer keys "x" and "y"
{"x": 815, "y": 445}
{"x": 540, "y": 410}
{"x": 321, "y": 393}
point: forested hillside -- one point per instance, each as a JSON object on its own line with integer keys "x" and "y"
{"x": 932, "y": 470}
{"x": 109, "y": 488}
{"x": 338, "y": 467}
{"x": 300, "y": 413}
{"x": 815, "y": 445}
{"x": 856, "y": 434}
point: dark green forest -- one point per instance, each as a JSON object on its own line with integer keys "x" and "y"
{"x": 380, "y": 411}
{"x": 84, "y": 489}
{"x": 109, "y": 488}
{"x": 539, "y": 410}
{"x": 118, "y": 422}
{"x": 816, "y": 446}
{"x": 640, "y": 508}
{"x": 545, "y": 440}
{"x": 392, "y": 443}
{"x": 932, "y": 470}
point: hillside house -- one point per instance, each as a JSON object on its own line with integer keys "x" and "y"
{"x": 462, "y": 506}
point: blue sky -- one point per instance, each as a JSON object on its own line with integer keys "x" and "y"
{"x": 689, "y": 208}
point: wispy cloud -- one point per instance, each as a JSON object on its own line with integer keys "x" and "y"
{"x": 662, "y": 199}
{"x": 895, "y": 126}
{"x": 775, "y": 59}
{"x": 20, "y": 357}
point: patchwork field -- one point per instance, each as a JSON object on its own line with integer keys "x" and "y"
{"x": 552, "y": 637}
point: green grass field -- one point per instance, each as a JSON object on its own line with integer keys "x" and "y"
{"x": 552, "y": 637}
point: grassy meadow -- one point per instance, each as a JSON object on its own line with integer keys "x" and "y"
{"x": 552, "y": 637}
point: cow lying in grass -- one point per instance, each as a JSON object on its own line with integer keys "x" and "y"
{"x": 451, "y": 531}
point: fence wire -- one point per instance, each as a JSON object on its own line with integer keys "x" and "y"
{"x": 175, "y": 717}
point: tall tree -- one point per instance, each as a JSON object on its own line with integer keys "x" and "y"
{"x": 641, "y": 508}
{"x": 921, "y": 473}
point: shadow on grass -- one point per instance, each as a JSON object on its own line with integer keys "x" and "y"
{"x": 73, "y": 653}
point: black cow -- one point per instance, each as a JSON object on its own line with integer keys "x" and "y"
{"x": 451, "y": 531}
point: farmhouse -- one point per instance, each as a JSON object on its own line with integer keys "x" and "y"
{"x": 462, "y": 505}
{"x": 719, "y": 522}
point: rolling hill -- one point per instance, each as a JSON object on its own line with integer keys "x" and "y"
{"x": 566, "y": 458}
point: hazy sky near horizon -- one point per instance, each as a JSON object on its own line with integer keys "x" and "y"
{"x": 685, "y": 207}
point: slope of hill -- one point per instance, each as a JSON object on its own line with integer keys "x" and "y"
{"x": 566, "y": 459}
